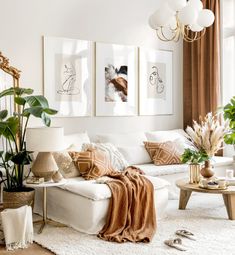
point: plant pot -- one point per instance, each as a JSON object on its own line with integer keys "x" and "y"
{"x": 194, "y": 173}
{"x": 18, "y": 198}
{"x": 207, "y": 170}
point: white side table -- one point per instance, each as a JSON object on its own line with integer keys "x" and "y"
{"x": 45, "y": 220}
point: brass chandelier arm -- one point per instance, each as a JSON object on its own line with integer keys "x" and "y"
{"x": 197, "y": 35}
{"x": 162, "y": 37}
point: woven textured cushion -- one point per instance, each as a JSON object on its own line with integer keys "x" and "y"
{"x": 92, "y": 163}
{"x": 116, "y": 159}
{"x": 166, "y": 153}
{"x": 65, "y": 164}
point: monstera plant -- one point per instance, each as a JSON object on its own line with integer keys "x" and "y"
{"x": 229, "y": 114}
{"x": 13, "y": 129}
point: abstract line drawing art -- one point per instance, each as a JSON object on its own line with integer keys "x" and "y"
{"x": 156, "y": 80}
{"x": 68, "y": 86}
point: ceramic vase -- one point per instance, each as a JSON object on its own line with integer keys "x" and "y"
{"x": 207, "y": 170}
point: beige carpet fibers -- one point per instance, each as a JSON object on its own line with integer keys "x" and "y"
{"x": 206, "y": 217}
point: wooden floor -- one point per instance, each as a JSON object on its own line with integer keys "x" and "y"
{"x": 33, "y": 249}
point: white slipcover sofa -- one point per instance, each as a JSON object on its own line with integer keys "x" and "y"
{"x": 83, "y": 205}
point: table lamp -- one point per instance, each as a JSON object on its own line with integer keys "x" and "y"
{"x": 44, "y": 140}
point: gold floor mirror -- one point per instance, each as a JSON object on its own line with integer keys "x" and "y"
{"x": 9, "y": 77}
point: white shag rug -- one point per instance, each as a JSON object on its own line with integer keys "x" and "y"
{"x": 206, "y": 217}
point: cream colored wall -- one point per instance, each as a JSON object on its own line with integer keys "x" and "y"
{"x": 24, "y": 22}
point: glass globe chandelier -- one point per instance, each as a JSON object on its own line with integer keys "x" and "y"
{"x": 181, "y": 18}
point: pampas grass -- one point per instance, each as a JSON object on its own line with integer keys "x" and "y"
{"x": 208, "y": 136}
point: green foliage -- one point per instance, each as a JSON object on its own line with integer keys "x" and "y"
{"x": 194, "y": 157}
{"x": 229, "y": 114}
{"x": 13, "y": 128}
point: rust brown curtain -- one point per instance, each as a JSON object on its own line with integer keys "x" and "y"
{"x": 201, "y": 70}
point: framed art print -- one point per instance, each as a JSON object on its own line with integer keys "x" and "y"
{"x": 155, "y": 82}
{"x": 116, "y": 80}
{"x": 68, "y": 75}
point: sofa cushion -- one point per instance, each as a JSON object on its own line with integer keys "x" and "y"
{"x": 98, "y": 191}
{"x": 170, "y": 135}
{"x": 65, "y": 164}
{"x": 166, "y": 153}
{"x": 76, "y": 140}
{"x": 153, "y": 170}
{"x": 135, "y": 154}
{"x": 92, "y": 163}
{"x": 116, "y": 159}
{"x": 128, "y": 139}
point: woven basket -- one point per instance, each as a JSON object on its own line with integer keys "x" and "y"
{"x": 16, "y": 199}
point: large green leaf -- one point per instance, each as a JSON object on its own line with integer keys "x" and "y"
{"x": 50, "y": 111}
{"x": 3, "y": 114}
{"x": 36, "y": 111}
{"x": 20, "y": 100}
{"x": 37, "y": 101}
{"x": 16, "y": 91}
{"x": 9, "y": 127}
{"x": 46, "y": 119}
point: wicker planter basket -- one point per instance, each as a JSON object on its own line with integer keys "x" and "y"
{"x": 16, "y": 199}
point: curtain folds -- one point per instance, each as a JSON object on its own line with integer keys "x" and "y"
{"x": 201, "y": 70}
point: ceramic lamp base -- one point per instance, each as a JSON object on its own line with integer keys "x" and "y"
{"x": 44, "y": 165}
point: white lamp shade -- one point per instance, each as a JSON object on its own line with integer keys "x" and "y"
{"x": 197, "y": 4}
{"x": 188, "y": 15}
{"x": 176, "y": 5}
{"x": 196, "y": 28}
{"x": 161, "y": 16}
{"x": 45, "y": 139}
{"x": 205, "y": 18}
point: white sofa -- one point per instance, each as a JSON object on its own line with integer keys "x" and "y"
{"x": 83, "y": 204}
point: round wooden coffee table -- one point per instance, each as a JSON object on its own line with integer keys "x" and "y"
{"x": 186, "y": 190}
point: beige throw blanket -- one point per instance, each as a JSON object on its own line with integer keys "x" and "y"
{"x": 17, "y": 227}
{"x": 131, "y": 215}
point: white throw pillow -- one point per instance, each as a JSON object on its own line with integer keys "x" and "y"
{"x": 128, "y": 139}
{"x": 135, "y": 155}
{"x": 116, "y": 159}
{"x": 76, "y": 140}
{"x": 169, "y": 135}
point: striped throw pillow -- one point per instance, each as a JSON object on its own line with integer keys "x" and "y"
{"x": 166, "y": 153}
{"x": 92, "y": 163}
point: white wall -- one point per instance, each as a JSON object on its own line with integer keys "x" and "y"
{"x": 24, "y": 22}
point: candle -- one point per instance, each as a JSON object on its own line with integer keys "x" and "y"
{"x": 229, "y": 173}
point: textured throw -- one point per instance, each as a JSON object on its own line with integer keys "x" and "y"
{"x": 131, "y": 215}
{"x": 167, "y": 153}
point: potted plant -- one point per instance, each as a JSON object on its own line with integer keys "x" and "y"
{"x": 229, "y": 114}
{"x": 194, "y": 158}
{"x": 208, "y": 136}
{"x": 13, "y": 129}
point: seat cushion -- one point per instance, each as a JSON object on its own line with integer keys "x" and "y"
{"x": 153, "y": 170}
{"x": 99, "y": 191}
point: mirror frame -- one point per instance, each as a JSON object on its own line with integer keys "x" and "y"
{"x": 15, "y": 74}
